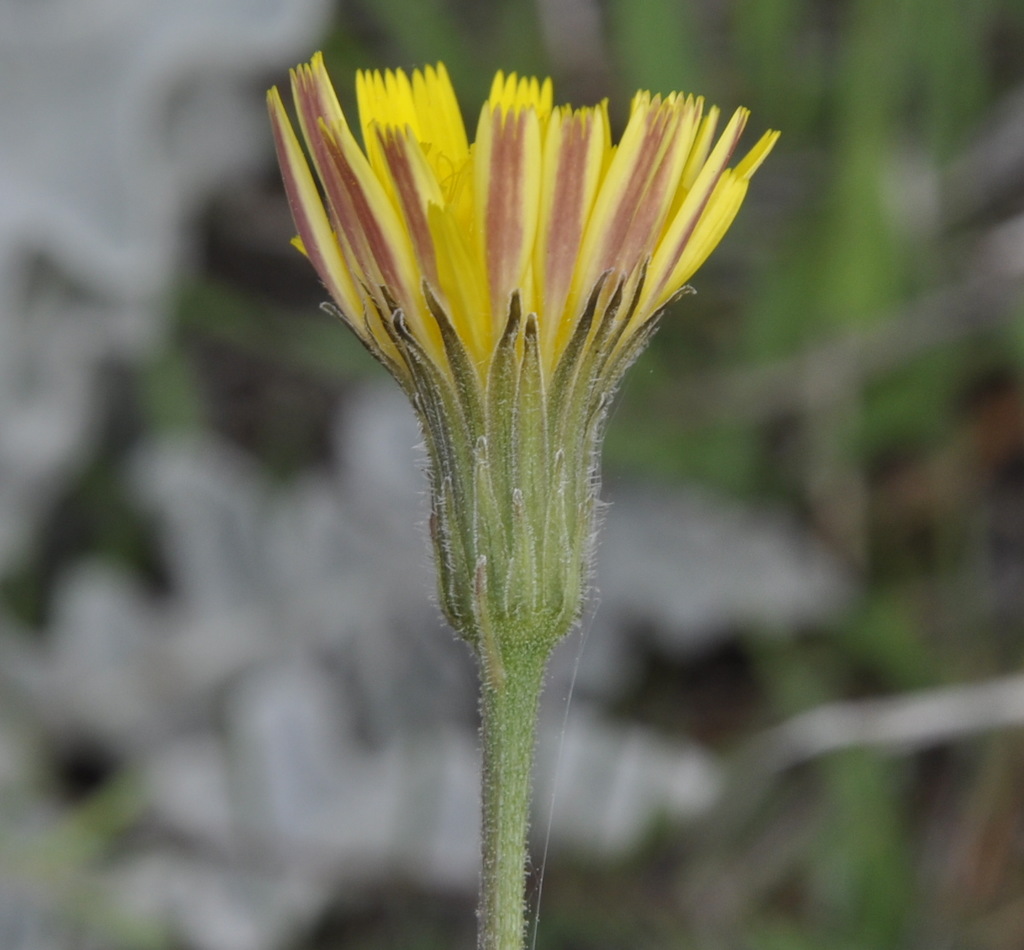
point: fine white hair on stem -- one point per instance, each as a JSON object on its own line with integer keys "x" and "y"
{"x": 582, "y": 634}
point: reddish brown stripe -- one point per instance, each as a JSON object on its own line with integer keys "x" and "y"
{"x": 630, "y": 200}
{"x": 697, "y": 213}
{"x": 302, "y": 222}
{"x": 504, "y": 225}
{"x": 344, "y": 215}
{"x": 341, "y": 210}
{"x": 565, "y": 225}
{"x": 350, "y": 213}
{"x": 362, "y": 224}
{"x": 397, "y": 157}
{"x": 651, "y": 207}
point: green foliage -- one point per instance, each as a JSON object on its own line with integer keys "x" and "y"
{"x": 657, "y": 45}
{"x": 234, "y": 316}
{"x": 861, "y": 882}
{"x": 782, "y": 63}
{"x": 883, "y": 639}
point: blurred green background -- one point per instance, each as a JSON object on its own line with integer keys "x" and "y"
{"x": 854, "y": 354}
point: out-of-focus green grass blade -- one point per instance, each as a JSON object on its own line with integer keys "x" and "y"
{"x": 427, "y": 31}
{"x": 862, "y": 882}
{"x": 783, "y": 63}
{"x": 657, "y": 45}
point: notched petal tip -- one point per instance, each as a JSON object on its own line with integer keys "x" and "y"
{"x": 513, "y": 93}
{"x": 753, "y": 159}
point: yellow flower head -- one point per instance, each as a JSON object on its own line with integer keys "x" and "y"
{"x": 541, "y": 206}
{"x": 506, "y": 284}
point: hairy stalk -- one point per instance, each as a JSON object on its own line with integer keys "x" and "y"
{"x": 508, "y": 702}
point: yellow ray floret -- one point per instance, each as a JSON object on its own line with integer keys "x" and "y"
{"x": 542, "y": 206}
{"x": 512, "y": 93}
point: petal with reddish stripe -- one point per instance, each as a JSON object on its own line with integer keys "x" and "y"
{"x": 655, "y": 200}
{"x": 630, "y": 197}
{"x": 575, "y": 149}
{"x": 718, "y": 216}
{"x": 311, "y": 221}
{"x": 506, "y": 170}
{"x": 370, "y": 219}
{"x": 385, "y": 101}
{"x": 415, "y": 187}
{"x": 662, "y": 280}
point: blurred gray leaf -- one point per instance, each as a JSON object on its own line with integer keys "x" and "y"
{"x": 119, "y": 117}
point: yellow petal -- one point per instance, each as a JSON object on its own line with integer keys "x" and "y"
{"x": 506, "y": 168}
{"x": 462, "y": 281}
{"x": 716, "y": 220}
{"x": 317, "y": 239}
{"x": 636, "y": 193}
{"x": 541, "y": 205}
{"x": 385, "y": 101}
{"x": 441, "y": 128}
{"x": 662, "y": 279}
{"x": 701, "y": 146}
{"x": 511, "y": 93}
{"x": 576, "y": 147}
{"x": 427, "y": 107}
{"x": 753, "y": 159}
{"x": 415, "y": 186}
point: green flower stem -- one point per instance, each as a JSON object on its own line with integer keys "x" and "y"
{"x": 509, "y": 700}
